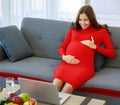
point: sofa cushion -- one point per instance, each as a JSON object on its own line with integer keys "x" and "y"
{"x": 107, "y": 78}
{"x": 99, "y": 61}
{"x": 35, "y": 67}
{"x": 14, "y": 43}
{"x": 44, "y": 36}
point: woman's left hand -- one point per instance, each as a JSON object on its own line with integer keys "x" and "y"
{"x": 89, "y": 43}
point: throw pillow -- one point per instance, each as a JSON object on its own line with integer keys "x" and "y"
{"x": 99, "y": 61}
{"x": 14, "y": 43}
{"x": 2, "y": 53}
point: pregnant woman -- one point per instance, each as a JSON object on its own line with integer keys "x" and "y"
{"x": 78, "y": 50}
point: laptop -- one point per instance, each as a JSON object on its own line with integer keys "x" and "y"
{"x": 43, "y": 91}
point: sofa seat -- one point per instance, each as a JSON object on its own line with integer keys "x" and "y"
{"x": 105, "y": 77}
{"x": 31, "y": 67}
{"x": 35, "y": 68}
{"x": 104, "y": 82}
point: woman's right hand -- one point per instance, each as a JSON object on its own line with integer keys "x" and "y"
{"x": 70, "y": 59}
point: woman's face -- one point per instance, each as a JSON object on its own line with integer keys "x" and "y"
{"x": 84, "y": 21}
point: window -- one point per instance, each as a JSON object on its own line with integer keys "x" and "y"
{"x": 13, "y": 11}
{"x": 67, "y": 9}
{"x": 0, "y": 12}
{"x": 108, "y": 13}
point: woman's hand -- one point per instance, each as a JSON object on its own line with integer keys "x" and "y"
{"x": 89, "y": 43}
{"x": 70, "y": 59}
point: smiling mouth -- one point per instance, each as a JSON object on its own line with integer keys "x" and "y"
{"x": 84, "y": 27}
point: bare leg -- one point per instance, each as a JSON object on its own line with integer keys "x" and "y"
{"x": 59, "y": 83}
{"x": 67, "y": 88}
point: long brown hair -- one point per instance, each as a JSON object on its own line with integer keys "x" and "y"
{"x": 88, "y": 10}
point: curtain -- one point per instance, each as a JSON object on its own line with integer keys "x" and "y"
{"x": 13, "y": 11}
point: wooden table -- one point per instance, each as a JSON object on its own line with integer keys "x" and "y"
{"x": 80, "y": 100}
{"x": 73, "y": 100}
{"x": 0, "y": 89}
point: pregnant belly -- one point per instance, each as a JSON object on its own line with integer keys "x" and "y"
{"x": 78, "y": 50}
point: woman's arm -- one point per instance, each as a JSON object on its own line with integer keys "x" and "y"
{"x": 108, "y": 50}
{"x": 62, "y": 50}
{"x": 63, "y": 46}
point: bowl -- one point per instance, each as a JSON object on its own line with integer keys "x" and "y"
{"x": 33, "y": 101}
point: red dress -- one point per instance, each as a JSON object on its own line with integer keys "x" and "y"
{"x": 77, "y": 74}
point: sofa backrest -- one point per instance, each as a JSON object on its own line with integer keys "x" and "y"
{"x": 44, "y": 36}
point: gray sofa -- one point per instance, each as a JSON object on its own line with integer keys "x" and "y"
{"x": 43, "y": 37}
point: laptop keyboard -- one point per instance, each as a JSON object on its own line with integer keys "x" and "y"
{"x": 60, "y": 98}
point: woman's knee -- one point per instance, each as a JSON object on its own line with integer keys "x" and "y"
{"x": 59, "y": 83}
{"x": 67, "y": 88}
